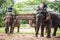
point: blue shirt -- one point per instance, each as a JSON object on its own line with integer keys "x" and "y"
{"x": 44, "y": 6}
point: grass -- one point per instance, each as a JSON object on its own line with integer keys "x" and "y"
{"x": 2, "y": 30}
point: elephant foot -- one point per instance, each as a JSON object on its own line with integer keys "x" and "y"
{"x": 6, "y": 32}
{"x": 36, "y": 35}
{"x": 48, "y": 36}
{"x": 11, "y": 32}
{"x": 18, "y": 31}
{"x": 54, "y": 35}
{"x": 42, "y": 36}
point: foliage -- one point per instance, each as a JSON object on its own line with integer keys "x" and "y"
{"x": 4, "y": 4}
{"x": 1, "y": 21}
{"x": 30, "y": 4}
{"x": 55, "y": 6}
{"x": 24, "y": 22}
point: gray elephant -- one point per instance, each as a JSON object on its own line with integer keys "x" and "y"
{"x": 55, "y": 17}
{"x": 8, "y": 18}
{"x": 16, "y": 23}
{"x": 43, "y": 21}
{"x": 12, "y": 21}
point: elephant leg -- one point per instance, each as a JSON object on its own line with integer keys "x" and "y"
{"x": 55, "y": 30}
{"x": 18, "y": 29}
{"x": 49, "y": 24}
{"x": 11, "y": 29}
{"x": 49, "y": 31}
{"x": 42, "y": 30}
{"x": 37, "y": 29}
{"x": 7, "y": 29}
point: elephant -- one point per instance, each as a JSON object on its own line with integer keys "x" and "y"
{"x": 12, "y": 21}
{"x": 16, "y": 23}
{"x": 42, "y": 22}
{"x": 55, "y": 17}
{"x": 8, "y": 18}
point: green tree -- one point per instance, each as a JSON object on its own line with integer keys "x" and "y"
{"x": 4, "y": 4}
{"x": 55, "y": 6}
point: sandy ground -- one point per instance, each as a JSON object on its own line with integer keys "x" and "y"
{"x": 24, "y": 37}
{"x": 19, "y": 36}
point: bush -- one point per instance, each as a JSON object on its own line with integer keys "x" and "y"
{"x": 1, "y": 21}
{"x": 24, "y": 22}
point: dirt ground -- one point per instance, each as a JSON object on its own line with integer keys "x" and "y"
{"x": 24, "y": 37}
